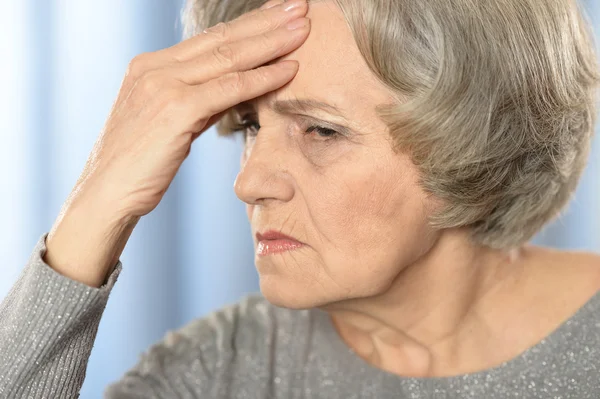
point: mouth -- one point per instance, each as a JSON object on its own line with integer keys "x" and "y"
{"x": 273, "y": 242}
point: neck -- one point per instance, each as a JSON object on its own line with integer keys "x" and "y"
{"x": 415, "y": 327}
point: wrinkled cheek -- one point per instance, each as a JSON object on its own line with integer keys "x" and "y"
{"x": 360, "y": 221}
{"x": 337, "y": 222}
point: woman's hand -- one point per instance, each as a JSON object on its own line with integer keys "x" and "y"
{"x": 166, "y": 100}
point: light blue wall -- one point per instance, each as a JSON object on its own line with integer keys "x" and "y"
{"x": 62, "y": 64}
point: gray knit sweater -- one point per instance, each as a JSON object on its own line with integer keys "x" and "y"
{"x": 256, "y": 350}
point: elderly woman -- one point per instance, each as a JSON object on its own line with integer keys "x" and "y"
{"x": 399, "y": 156}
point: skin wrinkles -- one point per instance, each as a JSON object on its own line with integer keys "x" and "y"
{"x": 407, "y": 298}
{"x": 309, "y": 107}
{"x": 320, "y": 152}
{"x": 349, "y": 202}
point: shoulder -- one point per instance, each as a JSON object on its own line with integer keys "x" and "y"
{"x": 581, "y": 270}
{"x": 564, "y": 283}
{"x": 575, "y": 272}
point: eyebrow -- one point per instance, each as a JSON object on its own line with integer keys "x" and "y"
{"x": 298, "y": 105}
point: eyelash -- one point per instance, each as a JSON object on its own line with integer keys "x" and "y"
{"x": 324, "y": 132}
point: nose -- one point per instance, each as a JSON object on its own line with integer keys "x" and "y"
{"x": 264, "y": 174}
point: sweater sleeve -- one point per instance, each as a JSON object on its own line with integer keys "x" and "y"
{"x": 48, "y": 324}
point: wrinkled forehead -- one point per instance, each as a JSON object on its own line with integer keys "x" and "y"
{"x": 331, "y": 68}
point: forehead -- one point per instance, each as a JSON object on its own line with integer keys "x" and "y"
{"x": 331, "y": 68}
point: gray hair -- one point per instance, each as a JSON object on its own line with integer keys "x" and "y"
{"x": 496, "y": 101}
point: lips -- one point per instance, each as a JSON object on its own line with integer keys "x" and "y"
{"x": 273, "y": 242}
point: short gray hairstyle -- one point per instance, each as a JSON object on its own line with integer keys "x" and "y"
{"x": 496, "y": 101}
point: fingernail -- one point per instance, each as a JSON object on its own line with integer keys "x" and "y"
{"x": 270, "y": 4}
{"x": 293, "y": 5}
{"x": 297, "y": 24}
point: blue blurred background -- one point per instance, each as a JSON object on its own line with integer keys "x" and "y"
{"x": 62, "y": 65}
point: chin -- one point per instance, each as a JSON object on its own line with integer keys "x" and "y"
{"x": 286, "y": 293}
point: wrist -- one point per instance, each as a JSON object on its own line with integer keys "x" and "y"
{"x": 87, "y": 240}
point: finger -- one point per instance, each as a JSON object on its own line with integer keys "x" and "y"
{"x": 211, "y": 121}
{"x": 247, "y": 25}
{"x": 242, "y": 55}
{"x": 271, "y": 3}
{"x": 234, "y": 88}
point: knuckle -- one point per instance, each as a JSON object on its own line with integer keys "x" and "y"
{"x": 138, "y": 65}
{"x": 265, "y": 41}
{"x": 271, "y": 44}
{"x": 265, "y": 24}
{"x": 149, "y": 83}
{"x": 173, "y": 98}
{"x": 219, "y": 31}
{"x": 224, "y": 56}
{"x": 261, "y": 75}
{"x": 233, "y": 83}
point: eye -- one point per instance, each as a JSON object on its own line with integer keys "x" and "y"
{"x": 249, "y": 126}
{"x": 322, "y": 131}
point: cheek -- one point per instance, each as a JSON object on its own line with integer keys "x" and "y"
{"x": 368, "y": 200}
{"x": 366, "y": 215}
{"x": 372, "y": 226}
